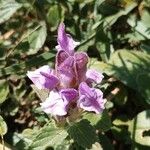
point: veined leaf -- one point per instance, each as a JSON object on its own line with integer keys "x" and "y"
{"x": 54, "y": 15}
{"x": 83, "y": 133}
{"x": 23, "y": 67}
{"x": 4, "y": 90}
{"x": 48, "y": 136}
{"x": 37, "y": 39}
{"x": 140, "y": 128}
{"x": 101, "y": 121}
{"x": 7, "y": 9}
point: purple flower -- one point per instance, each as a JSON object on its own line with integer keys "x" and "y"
{"x": 70, "y": 82}
{"x": 43, "y": 78}
{"x": 90, "y": 99}
{"x": 56, "y": 103}
{"x": 65, "y": 41}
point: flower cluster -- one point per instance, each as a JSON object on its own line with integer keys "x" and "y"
{"x": 70, "y": 83}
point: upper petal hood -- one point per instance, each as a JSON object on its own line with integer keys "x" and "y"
{"x": 81, "y": 60}
{"x": 65, "y": 41}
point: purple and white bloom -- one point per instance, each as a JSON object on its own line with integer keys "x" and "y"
{"x": 43, "y": 78}
{"x": 56, "y": 103}
{"x": 70, "y": 82}
{"x": 90, "y": 99}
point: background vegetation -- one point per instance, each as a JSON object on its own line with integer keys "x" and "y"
{"x": 116, "y": 36}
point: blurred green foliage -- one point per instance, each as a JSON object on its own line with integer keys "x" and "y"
{"x": 116, "y": 36}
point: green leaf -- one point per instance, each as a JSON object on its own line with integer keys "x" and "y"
{"x": 4, "y": 90}
{"x": 3, "y": 126}
{"x": 83, "y": 133}
{"x": 139, "y": 25}
{"x": 25, "y": 66}
{"x": 102, "y": 121}
{"x": 37, "y": 39}
{"x": 107, "y": 8}
{"x": 7, "y": 9}
{"x": 54, "y": 15}
{"x": 100, "y": 66}
{"x": 48, "y": 136}
{"x": 145, "y": 17}
{"x": 140, "y": 128}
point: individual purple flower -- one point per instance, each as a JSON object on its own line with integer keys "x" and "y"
{"x": 94, "y": 76}
{"x": 70, "y": 84}
{"x": 90, "y": 99}
{"x": 56, "y": 103}
{"x": 43, "y": 78}
{"x": 65, "y": 41}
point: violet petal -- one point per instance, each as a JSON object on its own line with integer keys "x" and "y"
{"x": 61, "y": 56}
{"x": 43, "y": 78}
{"x": 65, "y": 41}
{"x": 54, "y": 104}
{"x": 90, "y": 99}
{"x": 69, "y": 94}
{"x": 81, "y": 60}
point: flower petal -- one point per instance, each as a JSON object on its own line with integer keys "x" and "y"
{"x": 61, "y": 56}
{"x": 94, "y": 76}
{"x": 81, "y": 60}
{"x": 66, "y": 73}
{"x": 65, "y": 41}
{"x": 69, "y": 94}
{"x": 43, "y": 78}
{"x": 90, "y": 99}
{"x": 54, "y": 104}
